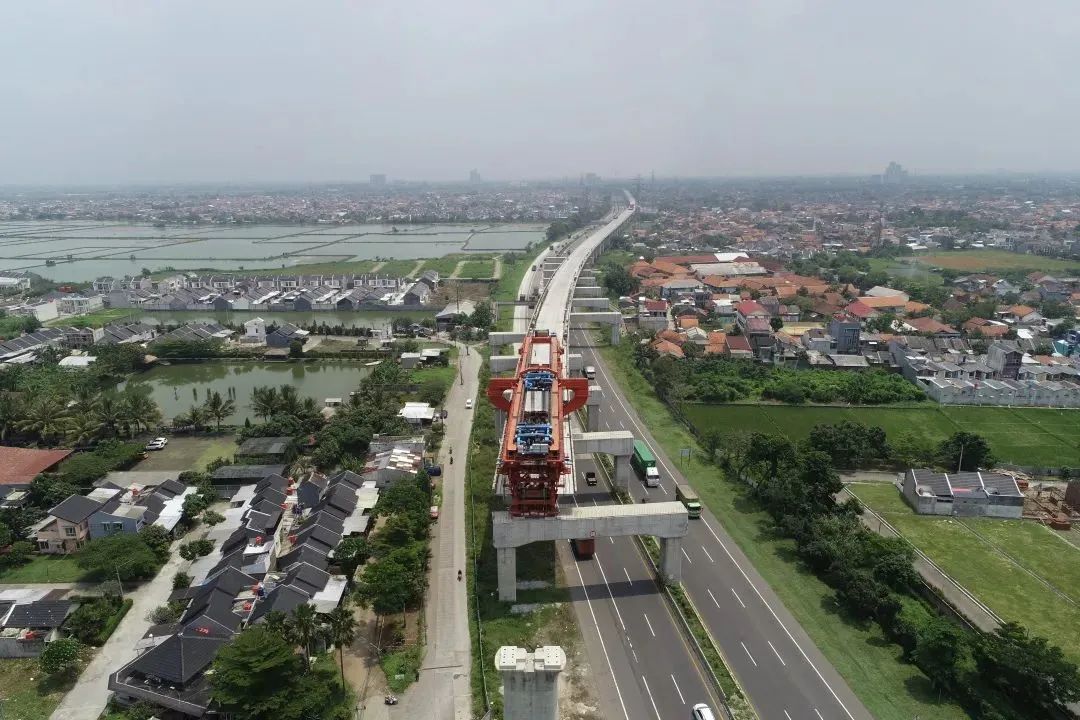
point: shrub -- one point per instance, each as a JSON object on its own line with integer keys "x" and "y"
{"x": 181, "y": 580}
{"x": 91, "y": 622}
{"x": 196, "y": 549}
{"x": 61, "y": 657}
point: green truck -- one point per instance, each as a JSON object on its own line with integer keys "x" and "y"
{"x": 686, "y": 495}
{"x": 644, "y": 463}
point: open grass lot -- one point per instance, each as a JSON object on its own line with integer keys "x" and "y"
{"x": 43, "y": 569}
{"x": 1021, "y": 570}
{"x": 1025, "y": 436}
{"x": 446, "y": 264}
{"x": 23, "y": 693}
{"x": 478, "y": 269}
{"x": 890, "y": 688}
{"x": 99, "y": 318}
{"x": 989, "y": 260}
{"x": 398, "y": 268}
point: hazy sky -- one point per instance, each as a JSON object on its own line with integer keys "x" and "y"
{"x": 187, "y": 90}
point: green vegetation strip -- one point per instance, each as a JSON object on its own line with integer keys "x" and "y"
{"x": 1007, "y": 564}
{"x": 870, "y": 663}
{"x": 491, "y": 624}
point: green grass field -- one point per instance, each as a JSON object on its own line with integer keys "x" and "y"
{"x": 1010, "y": 565}
{"x": 99, "y": 318}
{"x": 1023, "y": 436}
{"x": 44, "y": 569}
{"x": 397, "y": 268}
{"x": 872, "y": 666}
{"x": 478, "y": 269}
{"x": 24, "y": 693}
{"x": 989, "y": 260}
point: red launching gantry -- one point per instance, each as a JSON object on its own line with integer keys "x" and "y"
{"x": 541, "y": 399}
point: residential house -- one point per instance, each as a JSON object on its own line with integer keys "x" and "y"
{"x": 963, "y": 494}
{"x": 26, "y": 627}
{"x": 19, "y": 466}
{"x": 283, "y": 335}
{"x": 76, "y": 304}
{"x": 985, "y": 328}
{"x": 653, "y": 315}
{"x": 748, "y": 309}
{"x": 66, "y": 528}
{"x": 449, "y": 316}
{"x": 929, "y": 326}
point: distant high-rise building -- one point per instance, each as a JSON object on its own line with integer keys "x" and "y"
{"x": 895, "y": 173}
{"x": 474, "y": 176}
{"x": 377, "y": 179}
{"x": 591, "y": 178}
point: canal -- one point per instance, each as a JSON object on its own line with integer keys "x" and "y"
{"x": 175, "y": 388}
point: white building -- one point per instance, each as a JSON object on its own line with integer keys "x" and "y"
{"x": 254, "y": 332}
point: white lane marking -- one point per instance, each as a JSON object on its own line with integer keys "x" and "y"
{"x": 634, "y": 653}
{"x": 595, "y": 503}
{"x": 647, "y": 690}
{"x": 713, "y": 597}
{"x": 748, "y": 653}
{"x": 621, "y": 425}
{"x": 707, "y": 554}
{"x": 780, "y": 623}
{"x": 653, "y": 632}
{"x": 776, "y": 653}
{"x": 611, "y": 540}
{"x": 633, "y": 420}
{"x": 738, "y": 598}
{"x": 613, "y": 603}
{"x": 603, "y": 645}
{"x": 786, "y": 715}
{"x": 686, "y": 556}
{"x": 819, "y": 714}
{"x": 664, "y": 489}
{"x": 678, "y": 690}
{"x": 627, "y": 577}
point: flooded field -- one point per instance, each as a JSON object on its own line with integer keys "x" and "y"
{"x": 81, "y": 251}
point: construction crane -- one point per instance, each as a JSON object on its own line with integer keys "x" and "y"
{"x": 537, "y": 401}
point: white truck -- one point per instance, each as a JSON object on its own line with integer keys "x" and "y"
{"x": 590, "y": 372}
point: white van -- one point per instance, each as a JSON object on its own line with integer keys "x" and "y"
{"x": 589, "y": 372}
{"x": 702, "y": 711}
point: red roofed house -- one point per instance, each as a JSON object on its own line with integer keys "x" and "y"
{"x": 930, "y": 326}
{"x": 653, "y": 315}
{"x": 739, "y": 347}
{"x": 665, "y": 347}
{"x": 19, "y": 466}
{"x": 981, "y": 326}
{"x": 861, "y": 311}
{"x": 748, "y": 309}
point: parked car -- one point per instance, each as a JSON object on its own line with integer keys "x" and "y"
{"x": 590, "y": 478}
{"x": 434, "y": 513}
{"x": 158, "y": 443}
{"x": 468, "y": 404}
{"x": 433, "y": 470}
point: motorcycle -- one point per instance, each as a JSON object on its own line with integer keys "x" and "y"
{"x": 390, "y": 699}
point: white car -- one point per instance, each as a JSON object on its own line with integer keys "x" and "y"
{"x": 468, "y": 404}
{"x": 157, "y": 444}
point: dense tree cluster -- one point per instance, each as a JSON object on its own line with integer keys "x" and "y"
{"x": 397, "y": 575}
{"x": 714, "y": 379}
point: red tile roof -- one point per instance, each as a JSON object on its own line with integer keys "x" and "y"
{"x": 738, "y": 342}
{"x": 18, "y": 466}
{"x": 860, "y": 310}
{"x": 750, "y": 308}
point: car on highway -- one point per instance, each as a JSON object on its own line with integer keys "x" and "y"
{"x": 468, "y": 404}
{"x": 590, "y": 478}
{"x": 702, "y": 711}
{"x": 158, "y": 443}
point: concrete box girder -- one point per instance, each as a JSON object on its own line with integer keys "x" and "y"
{"x": 588, "y": 291}
{"x": 610, "y": 317}
{"x": 662, "y": 519}
{"x": 590, "y": 303}
{"x": 498, "y": 339}
{"x": 612, "y": 442}
{"x": 503, "y": 363}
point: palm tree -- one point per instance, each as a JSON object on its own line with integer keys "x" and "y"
{"x": 309, "y": 408}
{"x": 304, "y": 627}
{"x": 198, "y": 416}
{"x": 110, "y": 412}
{"x": 86, "y": 400}
{"x": 290, "y": 400}
{"x": 140, "y": 410}
{"x": 82, "y": 428}
{"x": 218, "y": 407}
{"x": 265, "y": 401}
{"x": 342, "y": 632}
{"x": 11, "y": 412}
{"x": 45, "y": 417}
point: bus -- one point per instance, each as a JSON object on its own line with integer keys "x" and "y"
{"x": 645, "y": 464}
{"x": 686, "y": 495}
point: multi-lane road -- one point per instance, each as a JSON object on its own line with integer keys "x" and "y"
{"x": 782, "y": 671}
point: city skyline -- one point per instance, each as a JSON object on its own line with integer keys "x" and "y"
{"x": 111, "y": 93}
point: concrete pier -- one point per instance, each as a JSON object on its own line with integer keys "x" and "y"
{"x": 530, "y": 681}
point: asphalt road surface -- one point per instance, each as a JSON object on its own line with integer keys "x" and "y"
{"x": 784, "y": 674}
